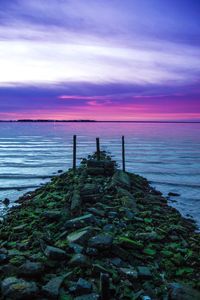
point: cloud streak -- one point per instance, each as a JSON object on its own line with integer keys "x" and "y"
{"x": 99, "y": 53}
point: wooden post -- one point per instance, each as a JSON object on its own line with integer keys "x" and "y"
{"x": 98, "y": 148}
{"x": 123, "y": 154}
{"x": 74, "y": 152}
{"x": 104, "y": 286}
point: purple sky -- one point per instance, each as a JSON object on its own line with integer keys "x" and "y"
{"x": 100, "y": 59}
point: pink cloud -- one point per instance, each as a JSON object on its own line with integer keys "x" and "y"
{"x": 78, "y": 97}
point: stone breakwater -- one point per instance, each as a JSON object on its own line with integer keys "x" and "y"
{"x": 98, "y": 233}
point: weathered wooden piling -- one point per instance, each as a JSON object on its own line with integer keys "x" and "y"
{"x": 98, "y": 148}
{"x": 123, "y": 154}
{"x": 74, "y": 152}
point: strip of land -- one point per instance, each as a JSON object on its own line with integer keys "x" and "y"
{"x": 98, "y": 233}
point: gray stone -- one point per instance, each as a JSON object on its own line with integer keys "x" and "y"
{"x": 128, "y": 199}
{"x": 3, "y": 258}
{"x": 108, "y": 228}
{"x": 17, "y": 289}
{"x": 144, "y": 272}
{"x": 55, "y": 253}
{"x": 95, "y": 171}
{"x": 76, "y": 248}
{"x": 100, "y": 163}
{"x": 31, "y": 269}
{"x": 130, "y": 273}
{"x": 101, "y": 241}
{"x": 178, "y": 291}
{"x": 116, "y": 261}
{"x": 75, "y": 201}
{"x": 51, "y": 289}
{"x": 90, "y": 192}
{"x": 97, "y": 212}
{"x": 89, "y": 189}
{"x": 102, "y": 167}
{"x": 112, "y": 214}
{"x": 79, "y": 260}
{"x": 19, "y": 228}
{"x": 129, "y": 214}
{"x": 151, "y": 236}
{"x": 92, "y": 296}
{"x": 8, "y": 270}
{"x": 122, "y": 179}
{"x": 97, "y": 269}
{"x": 52, "y": 215}
{"x": 14, "y": 252}
{"x": 80, "y": 221}
{"x": 80, "y": 236}
{"x": 171, "y": 194}
{"x": 83, "y": 286}
{"x": 6, "y": 201}
{"x": 92, "y": 251}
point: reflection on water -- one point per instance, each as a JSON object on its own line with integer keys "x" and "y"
{"x": 167, "y": 154}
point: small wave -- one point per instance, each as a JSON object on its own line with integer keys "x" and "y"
{"x": 20, "y": 165}
{"x": 28, "y": 176}
{"x": 19, "y": 187}
{"x": 168, "y": 173}
{"x": 196, "y": 186}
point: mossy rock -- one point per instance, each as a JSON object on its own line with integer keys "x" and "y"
{"x": 129, "y": 243}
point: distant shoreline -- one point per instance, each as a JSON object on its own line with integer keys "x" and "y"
{"x": 91, "y": 121}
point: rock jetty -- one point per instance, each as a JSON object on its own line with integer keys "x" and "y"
{"x": 98, "y": 233}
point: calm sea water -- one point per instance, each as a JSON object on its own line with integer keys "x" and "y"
{"x": 166, "y": 154}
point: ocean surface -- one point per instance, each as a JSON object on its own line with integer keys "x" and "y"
{"x": 167, "y": 154}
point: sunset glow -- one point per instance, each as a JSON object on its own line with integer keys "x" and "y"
{"x": 100, "y": 60}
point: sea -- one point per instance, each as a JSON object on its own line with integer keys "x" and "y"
{"x": 167, "y": 154}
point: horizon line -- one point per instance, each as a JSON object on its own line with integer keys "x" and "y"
{"x": 95, "y": 121}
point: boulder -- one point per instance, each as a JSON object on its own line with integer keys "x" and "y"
{"x": 19, "y": 228}
{"x": 79, "y": 260}
{"x": 112, "y": 215}
{"x": 80, "y": 221}
{"x": 75, "y": 201}
{"x": 31, "y": 269}
{"x": 83, "y": 286}
{"x": 89, "y": 189}
{"x": 96, "y": 212}
{"x": 3, "y": 258}
{"x": 129, "y": 273}
{"x": 75, "y": 248}
{"x": 92, "y": 251}
{"x": 80, "y": 236}
{"x": 55, "y": 253}
{"x": 122, "y": 179}
{"x": 92, "y": 296}
{"x": 52, "y": 215}
{"x": 150, "y": 236}
{"x": 90, "y": 192}
{"x": 171, "y": 194}
{"x": 178, "y": 291}
{"x": 144, "y": 272}
{"x": 51, "y": 289}
{"x": 100, "y": 167}
{"x": 13, "y": 288}
{"x": 101, "y": 241}
{"x": 108, "y": 228}
{"x": 6, "y": 201}
{"x": 128, "y": 199}
{"x": 8, "y": 270}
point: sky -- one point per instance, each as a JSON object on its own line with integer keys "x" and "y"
{"x": 100, "y": 60}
